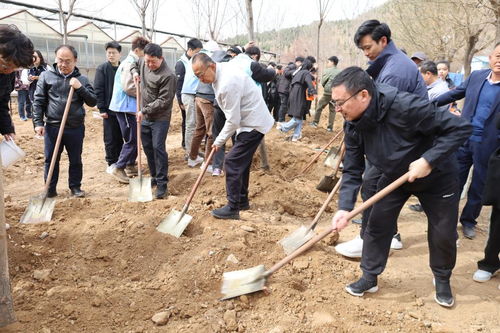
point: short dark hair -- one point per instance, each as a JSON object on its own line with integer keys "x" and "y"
{"x": 69, "y": 47}
{"x": 373, "y": 28}
{"x": 299, "y": 58}
{"x": 139, "y": 42}
{"x": 153, "y": 50}
{"x": 203, "y": 58}
{"x": 334, "y": 59}
{"x": 428, "y": 66}
{"x": 279, "y": 67}
{"x": 354, "y": 79}
{"x": 272, "y": 63}
{"x": 15, "y": 47}
{"x": 113, "y": 45}
{"x": 311, "y": 59}
{"x": 40, "y": 56}
{"x": 446, "y": 62}
{"x": 253, "y": 50}
{"x": 307, "y": 64}
{"x": 194, "y": 43}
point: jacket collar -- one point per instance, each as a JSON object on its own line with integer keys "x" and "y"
{"x": 376, "y": 65}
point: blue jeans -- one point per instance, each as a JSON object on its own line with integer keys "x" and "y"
{"x": 294, "y": 123}
{"x": 72, "y": 140}
{"x": 154, "y": 137}
{"x": 23, "y": 101}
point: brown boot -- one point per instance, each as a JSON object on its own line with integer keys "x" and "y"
{"x": 131, "y": 170}
{"x": 120, "y": 175}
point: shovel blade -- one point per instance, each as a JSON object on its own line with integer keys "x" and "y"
{"x": 175, "y": 223}
{"x": 296, "y": 239}
{"x": 139, "y": 189}
{"x": 39, "y": 210}
{"x": 327, "y": 183}
{"x": 246, "y": 281}
{"x": 331, "y": 158}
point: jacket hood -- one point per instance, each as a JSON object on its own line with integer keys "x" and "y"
{"x": 55, "y": 70}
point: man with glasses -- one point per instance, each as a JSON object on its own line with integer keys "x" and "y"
{"x": 158, "y": 83}
{"x": 51, "y": 96}
{"x": 399, "y": 132}
{"x": 16, "y": 51}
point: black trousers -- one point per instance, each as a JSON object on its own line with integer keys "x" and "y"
{"x": 368, "y": 189}
{"x": 283, "y": 107}
{"x": 491, "y": 263}
{"x": 237, "y": 165}
{"x": 439, "y": 195}
{"x": 113, "y": 140}
{"x": 154, "y": 137}
{"x": 72, "y": 140}
{"x": 183, "y": 114}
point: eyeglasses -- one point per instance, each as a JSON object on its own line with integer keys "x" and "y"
{"x": 338, "y": 104}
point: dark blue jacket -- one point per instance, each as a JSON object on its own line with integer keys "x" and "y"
{"x": 394, "y": 68}
{"x": 470, "y": 89}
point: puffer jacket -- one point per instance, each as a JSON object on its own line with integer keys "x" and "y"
{"x": 52, "y": 93}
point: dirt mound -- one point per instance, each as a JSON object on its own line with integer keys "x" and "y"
{"x": 101, "y": 266}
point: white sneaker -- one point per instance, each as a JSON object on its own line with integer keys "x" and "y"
{"x": 209, "y": 169}
{"x": 482, "y": 276}
{"x": 195, "y": 162}
{"x": 279, "y": 125}
{"x": 296, "y": 138}
{"x": 7, "y": 226}
{"x": 351, "y": 249}
{"x": 110, "y": 169}
{"x": 396, "y": 243}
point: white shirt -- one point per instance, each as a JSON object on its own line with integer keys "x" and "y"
{"x": 241, "y": 101}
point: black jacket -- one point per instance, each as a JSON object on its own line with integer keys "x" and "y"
{"x": 103, "y": 85}
{"x": 490, "y": 195}
{"x": 297, "y": 103}
{"x": 6, "y": 87}
{"x": 285, "y": 79}
{"x": 51, "y": 95}
{"x": 396, "y": 129}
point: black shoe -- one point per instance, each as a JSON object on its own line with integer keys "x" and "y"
{"x": 244, "y": 206}
{"x": 226, "y": 213}
{"x": 76, "y": 192}
{"x": 416, "y": 208}
{"x": 361, "y": 286}
{"x": 161, "y": 191}
{"x": 443, "y": 296}
{"x": 153, "y": 182}
{"x": 469, "y": 232}
{"x": 51, "y": 193}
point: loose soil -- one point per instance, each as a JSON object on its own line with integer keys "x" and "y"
{"x": 104, "y": 268}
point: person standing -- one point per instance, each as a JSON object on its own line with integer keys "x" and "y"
{"x": 326, "y": 81}
{"x": 482, "y": 103}
{"x": 435, "y": 86}
{"x": 246, "y": 115}
{"x": 399, "y": 132}
{"x": 50, "y": 100}
{"x": 158, "y": 84}
{"x": 103, "y": 85}
{"x": 186, "y": 104}
{"x": 23, "y": 100}
{"x": 123, "y": 103}
{"x": 39, "y": 66}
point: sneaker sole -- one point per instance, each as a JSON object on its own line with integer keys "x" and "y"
{"x": 348, "y": 254}
{"x": 446, "y": 305}
{"x": 226, "y": 217}
{"x": 484, "y": 280}
{"x": 361, "y": 294}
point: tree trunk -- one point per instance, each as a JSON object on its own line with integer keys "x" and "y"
{"x": 248, "y": 4}
{"x": 469, "y": 54}
{"x": 6, "y": 305}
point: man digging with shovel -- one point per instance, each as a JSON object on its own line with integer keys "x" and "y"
{"x": 397, "y": 132}
{"x": 246, "y": 114}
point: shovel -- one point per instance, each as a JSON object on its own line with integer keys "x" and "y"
{"x": 327, "y": 183}
{"x": 319, "y": 154}
{"x": 250, "y": 280}
{"x": 300, "y": 236}
{"x": 40, "y": 207}
{"x": 175, "y": 223}
{"x": 331, "y": 157}
{"x": 139, "y": 188}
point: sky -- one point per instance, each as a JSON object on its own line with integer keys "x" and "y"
{"x": 176, "y": 15}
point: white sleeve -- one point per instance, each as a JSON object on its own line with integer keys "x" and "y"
{"x": 229, "y": 102}
{"x": 24, "y": 77}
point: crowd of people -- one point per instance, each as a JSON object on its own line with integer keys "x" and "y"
{"x": 400, "y": 116}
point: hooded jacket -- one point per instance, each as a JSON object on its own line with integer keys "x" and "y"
{"x": 52, "y": 93}
{"x": 396, "y": 129}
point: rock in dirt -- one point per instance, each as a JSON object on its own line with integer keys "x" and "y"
{"x": 44, "y": 235}
{"x": 247, "y": 228}
{"x": 161, "y": 318}
{"x": 232, "y": 258}
{"x": 332, "y": 240}
{"x": 277, "y": 329}
{"x": 301, "y": 263}
{"x": 230, "y": 319}
{"x": 42, "y": 274}
{"x": 321, "y": 318}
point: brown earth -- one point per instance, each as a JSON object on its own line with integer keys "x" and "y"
{"x": 104, "y": 267}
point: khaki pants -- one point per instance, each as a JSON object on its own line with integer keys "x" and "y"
{"x": 204, "y": 120}
{"x": 323, "y": 101}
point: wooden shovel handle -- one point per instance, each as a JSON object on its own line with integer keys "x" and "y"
{"x": 200, "y": 177}
{"x": 379, "y": 195}
{"x": 59, "y": 139}
{"x": 139, "y": 126}
{"x": 319, "y": 153}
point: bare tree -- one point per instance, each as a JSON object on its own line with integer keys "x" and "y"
{"x": 143, "y": 8}
{"x": 214, "y": 14}
{"x": 250, "y": 26}
{"x": 494, "y": 7}
{"x": 64, "y": 16}
{"x": 324, "y": 7}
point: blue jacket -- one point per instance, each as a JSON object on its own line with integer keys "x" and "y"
{"x": 470, "y": 89}
{"x": 394, "y": 68}
{"x": 120, "y": 101}
{"x": 190, "y": 80}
